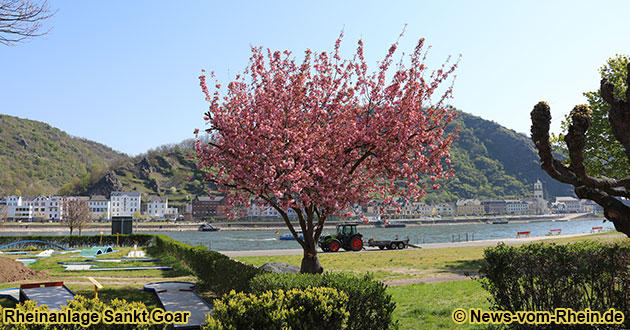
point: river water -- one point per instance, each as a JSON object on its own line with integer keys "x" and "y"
{"x": 240, "y": 240}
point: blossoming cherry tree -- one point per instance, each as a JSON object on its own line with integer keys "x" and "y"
{"x": 323, "y": 135}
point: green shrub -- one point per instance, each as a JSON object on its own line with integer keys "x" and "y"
{"x": 217, "y": 272}
{"x": 312, "y": 308}
{"x": 537, "y": 277}
{"x": 82, "y": 241}
{"x": 82, "y": 304}
{"x": 369, "y": 305}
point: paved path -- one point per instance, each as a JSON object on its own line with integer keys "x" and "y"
{"x": 489, "y": 242}
{"x": 179, "y": 296}
{"x": 52, "y": 296}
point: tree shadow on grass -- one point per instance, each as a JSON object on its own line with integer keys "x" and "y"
{"x": 178, "y": 268}
{"x": 463, "y": 267}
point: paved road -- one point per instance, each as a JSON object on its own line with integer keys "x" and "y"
{"x": 490, "y": 242}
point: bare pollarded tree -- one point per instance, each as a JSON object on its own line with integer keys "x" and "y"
{"x": 76, "y": 214}
{"x": 22, "y": 19}
{"x": 602, "y": 190}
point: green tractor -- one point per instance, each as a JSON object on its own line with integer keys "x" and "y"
{"x": 347, "y": 237}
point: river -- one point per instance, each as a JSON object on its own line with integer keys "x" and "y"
{"x": 240, "y": 240}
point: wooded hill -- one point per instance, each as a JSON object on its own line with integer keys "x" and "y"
{"x": 37, "y": 159}
{"x": 490, "y": 162}
{"x": 494, "y": 162}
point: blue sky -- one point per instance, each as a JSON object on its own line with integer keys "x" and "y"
{"x": 125, "y": 73}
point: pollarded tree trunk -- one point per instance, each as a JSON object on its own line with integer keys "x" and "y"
{"x": 601, "y": 190}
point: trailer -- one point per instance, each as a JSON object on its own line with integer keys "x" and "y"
{"x": 389, "y": 244}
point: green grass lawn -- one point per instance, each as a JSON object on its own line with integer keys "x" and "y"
{"x": 429, "y": 306}
{"x": 391, "y": 264}
{"x": 410, "y": 263}
{"x": 423, "y": 305}
{"x": 55, "y": 271}
{"x": 117, "y": 284}
{"x": 419, "y": 306}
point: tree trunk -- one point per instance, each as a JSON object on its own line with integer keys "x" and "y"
{"x": 310, "y": 263}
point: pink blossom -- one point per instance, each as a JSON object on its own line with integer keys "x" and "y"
{"x": 324, "y": 134}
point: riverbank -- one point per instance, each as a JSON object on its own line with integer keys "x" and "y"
{"x": 34, "y": 227}
{"x": 480, "y": 243}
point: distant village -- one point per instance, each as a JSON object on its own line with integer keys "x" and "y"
{"x": 131, "y": 204}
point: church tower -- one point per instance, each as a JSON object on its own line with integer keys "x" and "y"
{"x": 538, "y": 190}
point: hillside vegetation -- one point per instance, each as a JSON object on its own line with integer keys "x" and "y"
{"x": 490, "y": 162}
{"x": 37, "y": 159}
{"x": 165, "y": 171}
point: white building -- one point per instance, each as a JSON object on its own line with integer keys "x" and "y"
{"x": 259, "y": 209}
{"x": 100, "y": 207}
{"x": 55, "y": 208}
{"x": 39, "y": 208}
{"x": 591, "y": 207}
{"x": 12, "y": 202}
{"x": 567, "y": 204}
{"x": 171, "y": 213}
{"x": 20, "y": 208}
{"x": 443, "y": 209}
{"x": 516, "y": 206}
{"x": 157, "y": 206}
{"x": 416, "y": 209}
{"x": 124, "y": 203}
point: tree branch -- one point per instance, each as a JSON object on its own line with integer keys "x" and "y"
{"x": 600, "y": 191}
{"x": 619, "y": 114}
{"x": 360, "y": 160}
{"x": 541, "y": 118}
{"x": 22, "y": 19}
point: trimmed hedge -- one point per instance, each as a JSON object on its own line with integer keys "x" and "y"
{"x": 81, "y": 304}
{"x": 537, "y": 277}
{"x": 83, "y": 241}
{"x": 312, "y": 308}
{"x": 369, "y": 305}
{"x": 217, "y": 272}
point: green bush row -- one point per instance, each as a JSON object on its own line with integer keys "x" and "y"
{"x": 369, "y": 305}
{"x": 81, "y": 304}
{"x": 83, "y": 241}
{"x": 217, "y": 272}
{"x": 537, "y": 277}
{"x": 312, "y": 308}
